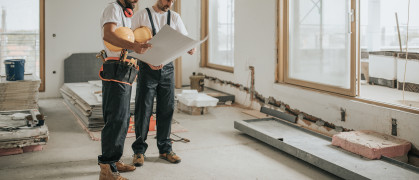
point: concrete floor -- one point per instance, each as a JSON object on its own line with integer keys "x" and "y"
{"x": 216, "y": 151}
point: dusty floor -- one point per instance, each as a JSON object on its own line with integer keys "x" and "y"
{"x": 216, "y": 151}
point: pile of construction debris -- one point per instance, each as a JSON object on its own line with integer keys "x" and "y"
{"x": 22, "y": 131}
{"x": 18, "y": 95}
{"x": 85, "y": 101}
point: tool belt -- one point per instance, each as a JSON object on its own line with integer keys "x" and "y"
{"x": 119, "y": 70}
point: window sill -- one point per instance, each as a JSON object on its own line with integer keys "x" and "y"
{"x": 279, "y": 85}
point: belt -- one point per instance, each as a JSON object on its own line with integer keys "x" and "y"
{"x": 114, "y": 80}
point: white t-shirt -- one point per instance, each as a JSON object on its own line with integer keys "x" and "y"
{"x": 141, "y": 19}
{"x": 114, "y": 14}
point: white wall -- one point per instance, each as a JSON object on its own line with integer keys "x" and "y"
{"x": 381, "y": 66}
{"x": 191, "y": 16}
{"x": 411, "y": 68}
{"x": 77, "y": 29}
{"x": 76, "y": 25}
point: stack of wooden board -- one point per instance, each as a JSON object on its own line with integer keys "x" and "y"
{"x": 85, "y": 101}
{"x": 18, "y": 95}
{"x": 15, "y": 135}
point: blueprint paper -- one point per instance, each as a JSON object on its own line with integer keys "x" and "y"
{"x": 167, "y": 45}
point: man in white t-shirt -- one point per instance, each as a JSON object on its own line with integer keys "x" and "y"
{"x": 116, "y": 94}
{"x": 155, "y": 81}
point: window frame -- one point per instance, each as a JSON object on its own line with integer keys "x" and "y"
{"x": 282, "y": 47}
{"x": 282, "y": 74}
{"x": 41, "y": 35}
{"x": 42, "y": 45}
{"x": 178, "y": 62}
{"x": 204, "y": 46}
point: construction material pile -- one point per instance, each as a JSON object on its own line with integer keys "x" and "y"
{"x": 85, "y": 101}
{"x": 22, "y": 131}
{"x": 194, "y": 103}
{"x": 18, "y": 95}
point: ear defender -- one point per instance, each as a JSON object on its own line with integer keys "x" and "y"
{"x": 128, "y": 12}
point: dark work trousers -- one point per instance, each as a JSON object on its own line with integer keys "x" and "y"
{"x": 150, "y": 84}
{"x": 115, "y": 105}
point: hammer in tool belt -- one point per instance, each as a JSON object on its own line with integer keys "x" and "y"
{"x": 101, "y": 55}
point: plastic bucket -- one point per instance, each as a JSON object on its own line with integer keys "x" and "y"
{"x": 15, "y": 69}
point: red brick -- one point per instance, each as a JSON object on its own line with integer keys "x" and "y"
{"x": 371, "y": 145}
{"x": 32, "y": 148}
{"x": 10, "y": 151}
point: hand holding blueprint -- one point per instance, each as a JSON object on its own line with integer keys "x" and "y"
{"x": 167, "y": 45}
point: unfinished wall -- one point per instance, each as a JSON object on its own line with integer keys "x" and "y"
{"x": 255, "y": 44}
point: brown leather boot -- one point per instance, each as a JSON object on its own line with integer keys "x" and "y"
{"x": 138, "y": 159}
{"x": 171, "y": 157}
{"x": 122, "y": 167}
{"x": 107, "y": 174}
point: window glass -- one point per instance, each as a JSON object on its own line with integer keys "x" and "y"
{"x": 319, "y": 42}
{"x": 221, "y": 32}
{"x": 19, "y": 33}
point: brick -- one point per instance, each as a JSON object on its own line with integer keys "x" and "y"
{"x": 10, "y": 151}
{"x": 32, "y": 148}
{"x": 371, "y": 145}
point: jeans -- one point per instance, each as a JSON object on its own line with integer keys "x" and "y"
{"x": 150, "y": 84}
{"x": 116, "y": 114}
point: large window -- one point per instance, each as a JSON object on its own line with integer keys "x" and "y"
{"x": 351, "y": 47}
{"x": 20, "y": 34}
{"x": 218, "y": 23}
{"x": 386, "y": 75}
{"x": 379, "y": 31}
{"x": 317, "y": 38}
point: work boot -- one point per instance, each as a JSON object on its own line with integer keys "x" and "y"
{"x": 107, "y": 174}
{"x": 122, "y": 167}
{"x": 171, "y": 157}
{"x": 138, "y": 159}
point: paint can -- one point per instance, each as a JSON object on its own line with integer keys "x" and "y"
{"x": 15, "y": 69}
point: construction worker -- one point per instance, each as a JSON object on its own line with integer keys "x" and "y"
{"x": 156, "y": 81}
{"x": 116, "y": 92}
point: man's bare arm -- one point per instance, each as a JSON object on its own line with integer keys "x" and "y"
{"x": 110, "y": 36}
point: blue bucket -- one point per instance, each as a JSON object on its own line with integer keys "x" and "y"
{"x": 15, "y": 69}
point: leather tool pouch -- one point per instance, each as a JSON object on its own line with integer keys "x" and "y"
{"x": 118, "y": 71}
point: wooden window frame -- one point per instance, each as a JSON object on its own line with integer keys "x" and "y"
{"x": 178, "y": 62}
{"x": 204, "y": 46}
{"x": 283, "y": 53}
{"x": 42, "y": 44}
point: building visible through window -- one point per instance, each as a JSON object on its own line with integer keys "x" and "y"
{"x": 19, "y": 34}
